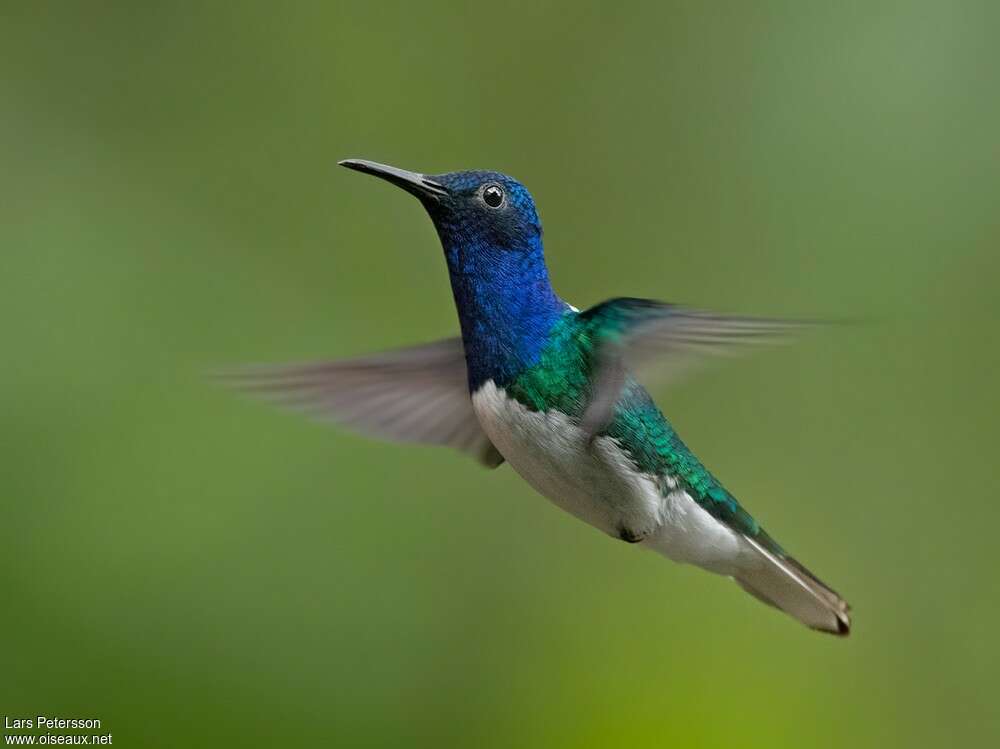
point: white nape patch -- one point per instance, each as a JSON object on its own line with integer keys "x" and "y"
{"x": 599, "y": 483}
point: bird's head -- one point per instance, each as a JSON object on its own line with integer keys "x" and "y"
{"x": 474, "y": 211}
{"x": 492, "y": 241}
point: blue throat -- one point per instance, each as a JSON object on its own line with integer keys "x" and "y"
{"x": 506, "y": 306}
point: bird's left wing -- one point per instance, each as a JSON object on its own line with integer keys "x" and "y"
{"x": 640, "y": 335}
{"x": 415, "y": 394}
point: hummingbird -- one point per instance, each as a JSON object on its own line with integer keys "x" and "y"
{"x": 555, "y": 392}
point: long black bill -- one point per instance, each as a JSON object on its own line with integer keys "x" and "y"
{"x": 412, "y": 182}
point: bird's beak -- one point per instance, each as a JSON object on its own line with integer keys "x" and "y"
{"x": 412, "y": 182}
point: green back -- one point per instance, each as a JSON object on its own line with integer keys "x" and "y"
{"x": 561, "y": 380}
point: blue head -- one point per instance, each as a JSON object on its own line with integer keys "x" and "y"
{"x": 492, "y": 240}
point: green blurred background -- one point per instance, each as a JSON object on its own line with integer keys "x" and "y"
{"x": 195, "y": 569}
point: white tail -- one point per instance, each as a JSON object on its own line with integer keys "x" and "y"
{"x": 787, "y": 585}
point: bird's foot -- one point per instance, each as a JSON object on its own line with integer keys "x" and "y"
{"x": 630, "y": 536}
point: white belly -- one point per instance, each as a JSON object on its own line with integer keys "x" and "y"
{"x": 598, "y": 483}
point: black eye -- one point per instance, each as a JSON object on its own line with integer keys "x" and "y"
{"x": 493, "y": 196}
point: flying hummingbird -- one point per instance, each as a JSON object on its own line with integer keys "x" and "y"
{"x": 534, "y": 382}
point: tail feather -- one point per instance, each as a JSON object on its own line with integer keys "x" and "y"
{"x": 782, "y": 582}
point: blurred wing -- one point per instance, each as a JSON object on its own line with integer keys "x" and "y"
{"x": 416, "y": 394}
{"x": 665, "y": 340}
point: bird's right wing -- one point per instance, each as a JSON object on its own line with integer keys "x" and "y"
{"x": 639, "y": 335}
{"x": 415, "y": 394}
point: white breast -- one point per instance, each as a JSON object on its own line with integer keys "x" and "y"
{"x": 598, "y": 482}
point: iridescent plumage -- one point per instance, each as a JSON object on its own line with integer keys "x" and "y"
{"x": 554, "y": 392}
